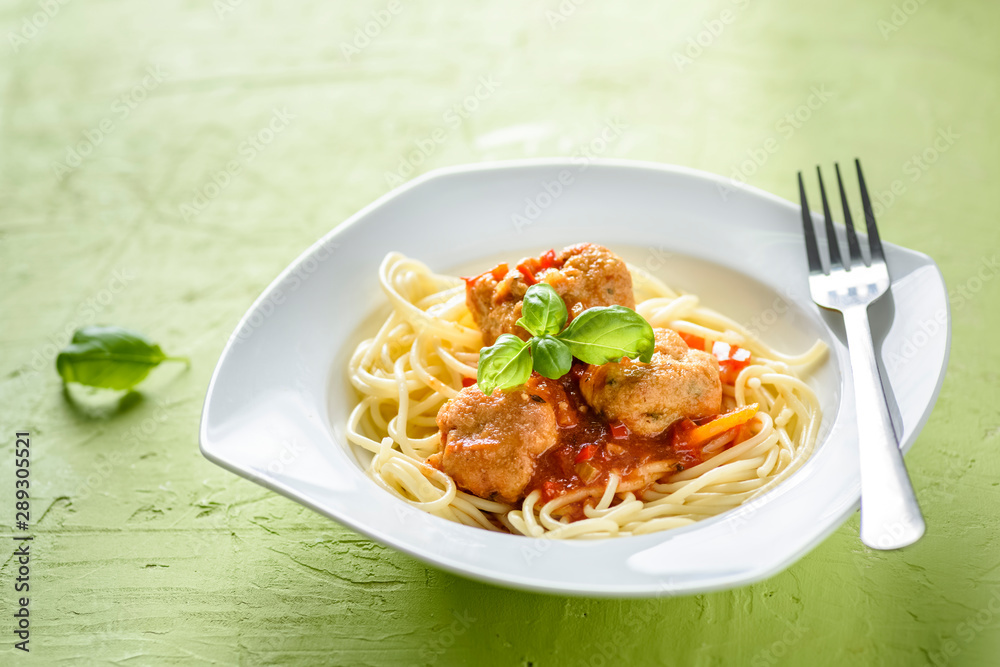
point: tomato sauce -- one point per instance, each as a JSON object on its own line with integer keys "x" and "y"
{"x": 589, "y": 448}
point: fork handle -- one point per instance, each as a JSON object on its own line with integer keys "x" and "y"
{"x": 890, "y": 515}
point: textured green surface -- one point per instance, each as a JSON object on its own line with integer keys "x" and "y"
{"x": 147, "y": 553}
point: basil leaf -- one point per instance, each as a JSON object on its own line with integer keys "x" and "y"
{"x": 551, "y": 357}
{"x": 608, "y": 333}
{"x": 109, "y": 357}
{"x": 542, "y": 310}
{"x": 505, "y": 364}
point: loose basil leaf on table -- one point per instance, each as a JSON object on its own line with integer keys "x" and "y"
{"x": 551, "y": 357}
{"x": 506, "y": 363}
{"x": 109, "y": 357}
{"x": 543, "y": 311}
{"x": 602, "y": 335}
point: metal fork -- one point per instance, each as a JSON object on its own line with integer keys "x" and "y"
{"x": 890, "y": 516}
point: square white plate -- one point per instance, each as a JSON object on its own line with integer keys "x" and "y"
{"x": 279, "y": 398}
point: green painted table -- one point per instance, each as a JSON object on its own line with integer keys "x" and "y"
{"x": 162, "y": 162}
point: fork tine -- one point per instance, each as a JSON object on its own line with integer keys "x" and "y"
{"x": 831, "y": 233}
{"x": 812, "y": 252}
{"x": 852, "y": 236}
{"x": 874, "y": 242}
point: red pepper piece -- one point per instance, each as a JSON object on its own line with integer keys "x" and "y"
{"x": 732, "y": 360}
{"x": 548, "y": 260}
{"x": 527, "y": 273}
{"x": 694, "y": 342}
{"x": 498, "y": 272}
{"x": 586, "y": 453}
{"x": 619, "y": 431}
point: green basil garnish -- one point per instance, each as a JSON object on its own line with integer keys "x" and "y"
{"x": 551, "y": 357}
{"x": 543, "y": 311}
{"x": 601, "y": 335}
{"x": 506, "y": 363}
{"x": 109, "y": 357}
{"x": 596, "y": 336}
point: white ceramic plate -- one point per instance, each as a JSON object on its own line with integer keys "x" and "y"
{"x": 277, "y": 404}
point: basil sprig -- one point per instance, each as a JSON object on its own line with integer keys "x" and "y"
{"x": 600, "y": 335}
{"x": 506, "y": 363}
{"x": 596, "y": 336}
{"x": 543, "y": 311}
{"x": 551, "y": 357}
{"x": 110, "y": 357}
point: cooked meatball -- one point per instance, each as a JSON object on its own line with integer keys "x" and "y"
{"x": 678, "y": 382}
{"x": 584, "y": 275}
{"x": 496, "y": 305}
{"x": 490, "y": 444}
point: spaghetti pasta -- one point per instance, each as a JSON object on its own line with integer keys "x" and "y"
{"x": 429, "y": 344}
